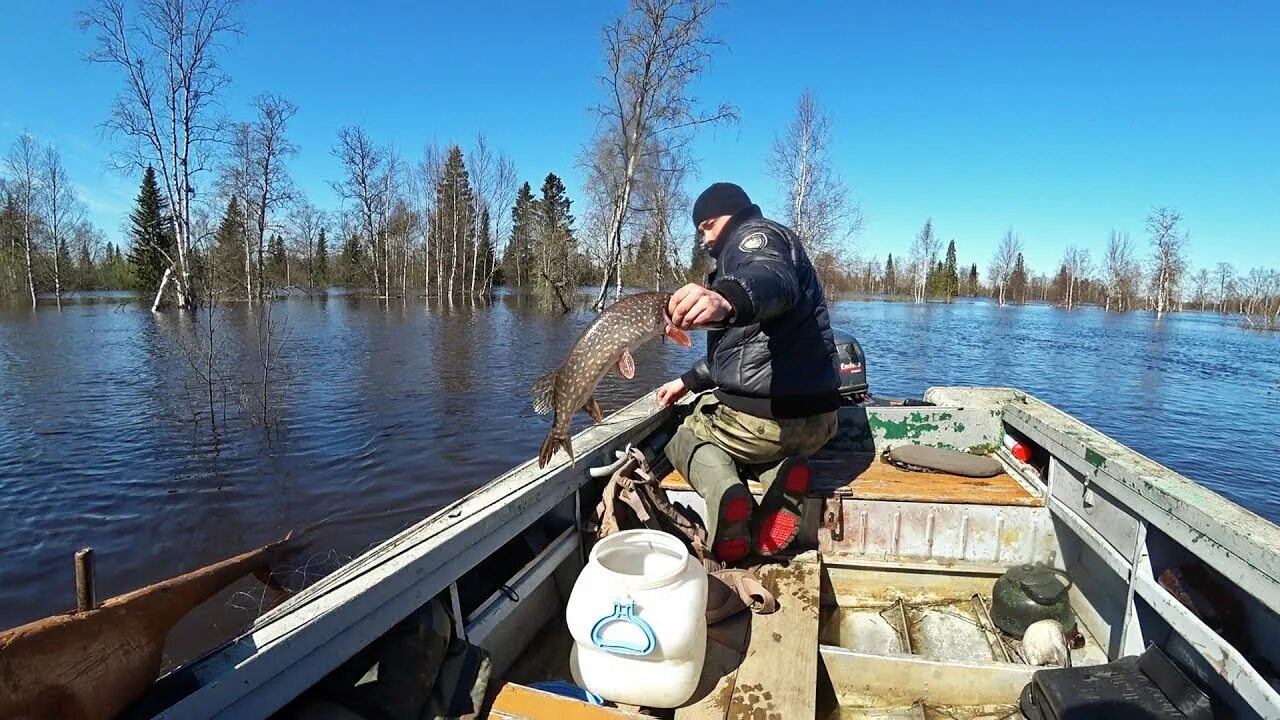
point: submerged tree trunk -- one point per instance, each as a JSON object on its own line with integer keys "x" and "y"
{"x": 31, "y": 282}
{"x": 164, "y": 280}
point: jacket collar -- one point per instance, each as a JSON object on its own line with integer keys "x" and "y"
{"x": 747, "y": 213}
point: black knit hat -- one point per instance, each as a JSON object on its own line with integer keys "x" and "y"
{"x": 721, "y": 198}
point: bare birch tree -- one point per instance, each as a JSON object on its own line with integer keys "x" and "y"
{"x": 307, "y": 221}
{"x": 1003, "y": 262}
{"x": 818, "y": 204}
{"x": 481, "y": 168}
{"x": 664, "y": 197}
{"x": 429, "y": 170}
{"x": 22, "y": 166}
{"x": 167, "y": 110}
{"x": 652, "y": 56}
{"x": 1225, "y": 274}
{"x": 502, "y": 194}
{"x": 924, "y": 252}
{"x": 63, "y": 211}
{"x": 1079, "y": 265}
{"x": 1169, "y": 263}
{"x": 236, "y": 181}
{"x": 270, "y": 185}
{"x": 364, "y": 165}
{"x": 1121, "y": 272}
{"x": 1201, "y": 281}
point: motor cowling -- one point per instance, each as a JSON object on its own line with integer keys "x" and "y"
{"x": 853, "y": 366}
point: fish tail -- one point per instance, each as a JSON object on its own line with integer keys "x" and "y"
{"x": 556, "y": 438}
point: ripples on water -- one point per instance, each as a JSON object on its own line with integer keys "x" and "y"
{"x": 390, "y": 413}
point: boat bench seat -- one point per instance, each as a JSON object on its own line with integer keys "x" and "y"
{"x": 865, "y": 476}
{"x": 765, "y": 665}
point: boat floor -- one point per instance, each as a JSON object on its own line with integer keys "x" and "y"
{"x": 865, "y": 476}
{"x": 846, "y": 643}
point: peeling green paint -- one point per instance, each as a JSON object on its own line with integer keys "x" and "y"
{"x": 1094, "y": 459}
{"x": 958, "y": 427}
{"x": 944, "y": 416}
{"x": 909, "y": 428}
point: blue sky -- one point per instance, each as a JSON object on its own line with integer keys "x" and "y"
{"x": 1063, "y": 121}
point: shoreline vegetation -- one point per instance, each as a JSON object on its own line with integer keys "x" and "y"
{"x": 218, "y": 217}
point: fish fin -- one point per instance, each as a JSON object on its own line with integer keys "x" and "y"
{"x": 555, "y": 440}
{"x": 544, "y": 390}
{"x": 593, "y": 409}
{"x": 679, "y": 336}
{"x": 627, "y": 365}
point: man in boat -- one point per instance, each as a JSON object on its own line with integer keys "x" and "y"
{"x": 771, "y": 361}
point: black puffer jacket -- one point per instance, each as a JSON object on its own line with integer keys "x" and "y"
{"x": 778, "y": 357}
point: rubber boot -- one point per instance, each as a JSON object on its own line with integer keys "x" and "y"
{"x": 713, "y": 474}
{"x": 786, "y": 485}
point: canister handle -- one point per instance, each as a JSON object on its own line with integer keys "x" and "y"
{"x": 624, "y": 611}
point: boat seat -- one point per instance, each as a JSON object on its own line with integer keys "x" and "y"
{"x": 765, "y": 665}
{"x": 865, "y": 476}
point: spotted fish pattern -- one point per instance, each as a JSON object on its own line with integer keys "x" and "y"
{"x": 606, "y": 343}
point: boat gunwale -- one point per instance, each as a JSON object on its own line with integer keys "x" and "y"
{"x": 1236, "y": 541}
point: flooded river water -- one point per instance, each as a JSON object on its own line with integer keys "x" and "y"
{"x": 376, "y": 415}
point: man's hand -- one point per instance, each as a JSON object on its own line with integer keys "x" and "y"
{"x": 671, "y": 392}
{"x": 694, "y": 305}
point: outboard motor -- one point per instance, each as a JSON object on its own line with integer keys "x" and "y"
{"x": 853, "y": 367}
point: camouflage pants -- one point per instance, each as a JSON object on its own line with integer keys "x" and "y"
{"x": 715, "y": 441}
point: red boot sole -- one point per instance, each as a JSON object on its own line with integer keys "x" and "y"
{"x": 731, "y": 551}
{"x": 777, "y": 532}
{"x": 797, "y": 481}
{"x": 737, "y": 510}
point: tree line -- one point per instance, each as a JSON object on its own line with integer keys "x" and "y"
{"x": 1124, "y": 278}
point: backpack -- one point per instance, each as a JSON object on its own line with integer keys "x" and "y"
{"x": 634, "y": 498}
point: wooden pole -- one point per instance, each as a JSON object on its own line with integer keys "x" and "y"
{"x": 85, "y": 599}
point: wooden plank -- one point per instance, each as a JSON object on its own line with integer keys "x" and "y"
{"x": 726, "y": 641}
{"x": 878, "y": 480}
{"x": 525, "y": 703}
{"x": 778, "y": 677}
{"x": 882, "y": 481}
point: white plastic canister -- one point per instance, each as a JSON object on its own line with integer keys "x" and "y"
{"x": 637, "y": 614}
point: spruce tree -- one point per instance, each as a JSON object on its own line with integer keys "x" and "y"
{"x": 322, "y": 260}
{"x": 454, "y": 229}
{"x": 890, "y": 276}
{"x": 278, "y": 259}
{"x": 520, "y": 258}
{"x": 151, "y": 234}
{"x": 228, "y": 249}
{"x": 950, "y": 276}
{"x": 351, "y": 255}
{"x": 1018, "y": 280}
{"x": 556, "y": 244}
{"x": 973, "y": 279}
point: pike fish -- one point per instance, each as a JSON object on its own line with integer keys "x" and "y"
{"x": 606, "y": 343}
